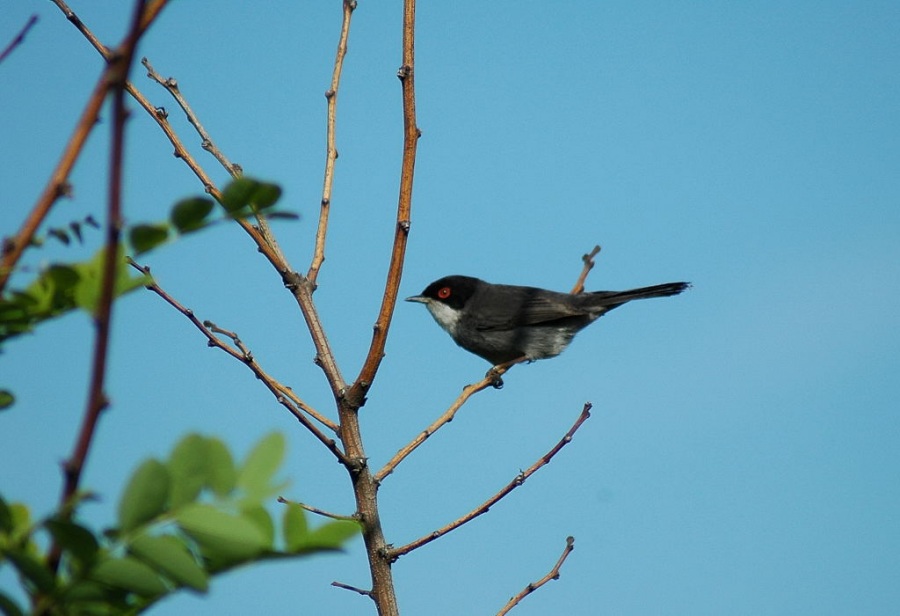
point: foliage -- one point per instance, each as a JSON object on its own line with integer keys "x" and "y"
{"x": 180, "y": 521}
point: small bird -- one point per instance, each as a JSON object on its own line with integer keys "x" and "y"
{"x": 505, "y": 323}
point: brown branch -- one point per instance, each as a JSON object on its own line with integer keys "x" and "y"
{"x": 331, "y": 152}
{"x": 552, "y": 575}
{"x": 317, "y": 511}
{"x": 116, "y": 75}
{"x": 283, "y": 394}
{"x": 588, "y": 266}
{"x": 171, "y": 85}
{"x": 19, "y": 38}
{"x": 396, "y": 553}
{"x": 468, "y": 391}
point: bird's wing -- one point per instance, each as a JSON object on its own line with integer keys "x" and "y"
{"x": 535, "y": 309}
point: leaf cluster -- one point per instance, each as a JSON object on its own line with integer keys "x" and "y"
{"x": 180, "y": 521}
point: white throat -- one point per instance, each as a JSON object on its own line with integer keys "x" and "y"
{"x": 446, "y": 317}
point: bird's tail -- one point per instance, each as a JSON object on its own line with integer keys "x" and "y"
{"x": 612, "y": 299}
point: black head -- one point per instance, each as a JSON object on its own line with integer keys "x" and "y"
{"x": 454, "y": 291}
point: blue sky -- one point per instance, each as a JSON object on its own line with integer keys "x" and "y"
{"x": 743, "y": 452}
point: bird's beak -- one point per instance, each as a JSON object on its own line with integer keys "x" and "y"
{"x": 417, "y": 298}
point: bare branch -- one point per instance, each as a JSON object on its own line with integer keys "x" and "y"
{"x": 171, "y": 85}
{"x": 331, "y": 152}
{"x": 116, "y": 74}
{"x": 588, "y": 266}
{"x": 291, "y": 402}
{"x": 411, "y": 133}
{"x": 317, "y": 511}
{"x": 396, "y": 553}
{"x": 468, "y": 391}
{"x": 19, "y": 38}
{"x": 553, "y": 575}
{"x": 365, "y": 593}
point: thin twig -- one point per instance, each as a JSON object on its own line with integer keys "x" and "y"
{"x": 533, "y": 586}
{"x": 171, "y": 85}
{"x": 116, "y": 76}
{"x": 588, "y": 266}
{"x": 396, "y": 553}
{"x": 297, "y": 409}
{"x": 160, "y": 116}
{"x": 331, "y": 152}
{"x": 365, "y": 593}
{"x": 317, "y": 511}
{"x": 468, "y": 391}
{"x": 19, "y": 38}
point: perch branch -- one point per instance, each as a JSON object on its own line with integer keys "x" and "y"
{"x": 331, "y": 152}
{"x": 396, "y": 553}
{"x": 533, "y": 586}
{"x": 448, "y": 415}
{"x": 19, "y": 38}
{"x": 588, "y": 266}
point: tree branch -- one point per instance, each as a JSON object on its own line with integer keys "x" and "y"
{"x": 411, "y": 133}
{"x": 317, "y": 511}
{"x": 396, "y": 553}
{"x": 553, "y": 575}
{"x": 283, "y": 394}
{"x": 331, "y": 152}
{"x": 468, "y": 391}
{"x": 19, "y": 38}
{"x": 116, "y": 75}
{"x": 588, "y": 266}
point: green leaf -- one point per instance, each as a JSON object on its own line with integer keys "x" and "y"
{"x": 32, "y": 569}
{"x": 6, "y": 519}
{"x": 87, "y": 291}
{"x": 7, "y": 399}
{"x": 130, "y": 574}
{"x": 266, "y": 195}
{"x": 331, "y": 536}
{"x": 295, "y": 527}
{"x": 171, "y": 556}
{"x": 188, "y": 467}
{"x": 238, "y": 193}
{"x": 75, "y": 539}
{"x": 221, "y": 473}
{"x": 245, "y": 196}
{"x": 146, "y": 237}
{"x": 145, "y": 496}
{"x": 9, "y": 607}
{"x": 259, "y": 516}
{"x": 282, "y": 215}
{"x": 222, "y": 536}
{"x": 190, "y": 214}
{"x": 255, "y": 476}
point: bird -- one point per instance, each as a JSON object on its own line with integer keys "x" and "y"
{"x": 506, "y": 323}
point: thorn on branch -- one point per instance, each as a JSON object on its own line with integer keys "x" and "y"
{"x": 365, "y": 593}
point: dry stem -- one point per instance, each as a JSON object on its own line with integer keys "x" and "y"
{"x": 533, "y": 586}
{"x": 331, "y": 152}
{"x": 396, "y": 553}
{"x": 19, "y": 38}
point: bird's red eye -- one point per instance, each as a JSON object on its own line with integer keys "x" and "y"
{"x": 444, "y": 293}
